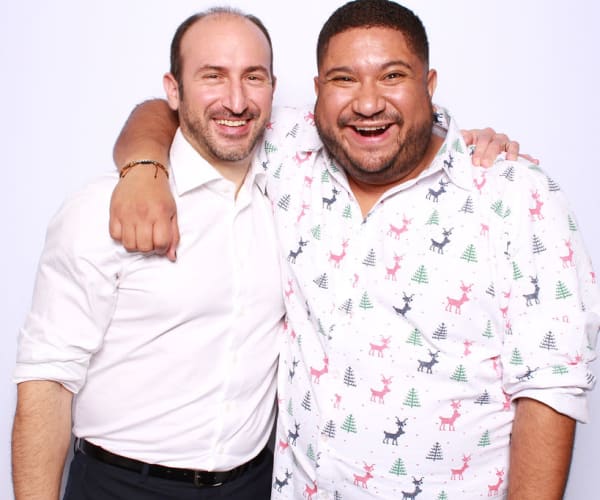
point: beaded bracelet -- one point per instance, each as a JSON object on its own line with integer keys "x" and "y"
{"x": 157, "y": 165}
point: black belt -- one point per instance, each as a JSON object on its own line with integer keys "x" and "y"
{"x": 197, "y": 477}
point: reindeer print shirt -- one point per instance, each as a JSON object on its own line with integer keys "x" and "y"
{"x": 411, "y": 332}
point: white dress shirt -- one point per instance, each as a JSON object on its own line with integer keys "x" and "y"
{"x": 170, "y": 363}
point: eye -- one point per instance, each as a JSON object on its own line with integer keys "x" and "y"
{"x": 395, "y": 75}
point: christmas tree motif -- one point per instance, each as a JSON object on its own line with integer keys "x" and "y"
{"x": 329, "y": 429}
{"x": 420, "y": 275}
{"x": 332, "y": 166}
{"x": 349, "y": 378}
{"x": 488, "y": 332}
{"x": 310, "y": 452}
{"x": 270, "y": 147}
{"x": 306, "y": 402}
{"x": 434, "y": 219}
{"x": 491, "y": 291}
{"x": 442, "y": 496}
{"x": 277, "y": 173}
{"x": 337, "y": 495}
{"x": 349, "y": 424}
{"x": 516, "y": 358}
{"x": 460, "y": 374}
{"x": 552, "y": 185}
{"x": 435, "y": 453}
{"x": 498, "y": 207}
{"x": 412, "y": 399}
{"x": 509, "y": 174}
{"x": 415, "y": 338}
{"x": 316, "y": 232}
{"x": 293, "y": 132}
{"x": 325, "y": 176}
{"x": 517, "y": 274}
{"x": 284, "y": 202}
{"x": 456, "y": 146}
{"x": 290, "y": 408}
{"x": 483, "y": 399}
{"x": 484, "y": 440}
{"x": 346, "y": 307}
{"x": 441, "y": 332}
{"x": 562, "y": 292}
{"x": 470, "y": 254}
{"x": 560, "y": 370}
{"x": 370, "y": 259}
{"x": 398, "y": 468}
{"x": 467, "y": 207}
{"x": 322, "y": 281}
{"x": 365, "y": 302}
{"x": 347, "y": 213}
{"x": 537, "y": 244}
{"x": 322, "y": 331}
{"x": 572, "y": 225}
{"x": 549, "y": 342}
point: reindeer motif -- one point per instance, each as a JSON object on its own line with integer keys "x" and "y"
{"x": 397, "y": 231}
{"x": 309, "y": 118}
{"x": 449, "y": 162}
{"x": 533, "y": 297}
{"x": 457, "y": 303}
{"x": 362, "y": 480}
{"x": 395, "y": 435}
{"x": 336, "y": 259}
{"x": 337, "y": 400}
{"x": 305, "y": 207}
{"x": 327, "y": 202}
{"x": 411, "y": 496}
{"x": 458, "y": 473}
{"x": 316, "y": 374}
{"x": 282, "y": 446}
{"x": 379, "y": 348}
{"x": 537, "y": 211}
{"x": 485, "y": 229}
{"x": 433, "y": 195}
{"x": 467, "y": 344}
{"x": 449, "y": 421}
{"x": 428, "y": 365}
{"x": 493, "y": 488}
{"x": 280, "y": 483}
{"x": 292, "y": 370}
{"x": 528, "y": 375}
{"x": 480, "y": 183}
{"x": 567, "y": 260}
{"x": 439, "y": 245}
{"x": 391, "y": 271}
{"x": 576, "y": 360}
{"x": 406, "y": 307}
{"x": 292, "y": 436}
{"x": 290, "y": 290}
{"x": 506, "y": 404}
{"x": 308, "y": 181}
{"x": 292, "y": 255}
{"x": 310, "y": 491}
{"x": 377, "y": 396}
{"x": 301, "y": 156}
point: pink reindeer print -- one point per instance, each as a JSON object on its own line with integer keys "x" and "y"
{"x": 379, "y": 348}
{"x": 576, "y": 360}
{"x": 309, "y": 118}
{"x": 289, "y": 290}
{"x": 308, "y": 181}
{"x": 309, "y": 491}
{"x": 479, "y": 183}
{"x": 301, "y": 156}
{"x": 567, "y": 260}
{"x": 457, "y": 303}
{"x": 337, "y": 400}
{"x": 305, "y": 207}
{"x": 485, "y": 229}
{"x": 391, "y": 271}
{"x": 355, "y": 280}
{"x": 336, "y": 259}
{"x": 282, "y": 446}
{"x": 467, "y": 344}
{"x": 316, "y": 374}
{"x": 362, "y": 480}
{"x": 447, "y": 423}
{"x": 458, "y": 473}
{"x": 537, "y": 211}
{"x": 397, "y": 231}
{"x": 493, "y": 488}
{"x": 377, "y": 396}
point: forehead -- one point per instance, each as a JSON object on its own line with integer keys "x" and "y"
{"x": 226, "y": 39}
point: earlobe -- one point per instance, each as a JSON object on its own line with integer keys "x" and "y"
{"x": 316, "y": 83}
{"x": 431, "y": 82}
{"x": 171, "y": 90}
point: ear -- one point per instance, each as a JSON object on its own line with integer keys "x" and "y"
{"x": 273, "y": 83}
{"x": 171, "y": 90}
{"x": 431, "y": 82}
{"x": 316, "y": 83}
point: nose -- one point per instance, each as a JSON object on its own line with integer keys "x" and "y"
{"x": 235, "y": 99}
{"x": 368, "y": 100}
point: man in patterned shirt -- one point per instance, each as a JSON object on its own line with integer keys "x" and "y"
{"x": 434, "y": 308}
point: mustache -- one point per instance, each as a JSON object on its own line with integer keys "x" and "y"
{"x": 227, "y": 115}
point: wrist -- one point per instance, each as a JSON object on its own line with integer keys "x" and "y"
{"x": 144, "y": 163}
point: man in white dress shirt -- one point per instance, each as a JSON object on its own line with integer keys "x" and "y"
{"x": 165, "y": 373}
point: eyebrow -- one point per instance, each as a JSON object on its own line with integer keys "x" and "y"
{"x": 249, "y": 69}
{"x": 387, "y": 65}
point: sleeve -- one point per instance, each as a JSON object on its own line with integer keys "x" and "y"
{"x": 554, "y": 305}
{"x": 74, "y": 295}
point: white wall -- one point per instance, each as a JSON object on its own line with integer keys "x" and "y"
{"x": 71, "y": 70}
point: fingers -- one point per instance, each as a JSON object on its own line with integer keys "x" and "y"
{"x": 530, "y": 159}
{"x": 115, "y": 228}
{"x": 512, "y": 150}
{"x": 172, "y": 250}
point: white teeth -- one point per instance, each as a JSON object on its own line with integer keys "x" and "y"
{"x": 370, "y": 129}
{"x": 232, "y": 123}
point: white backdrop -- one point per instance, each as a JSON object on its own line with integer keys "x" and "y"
{"x": 72, "y": 70}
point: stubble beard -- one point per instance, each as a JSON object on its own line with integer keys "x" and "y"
{"x": 381, "y": 169}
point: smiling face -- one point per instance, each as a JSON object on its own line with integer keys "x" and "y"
{"x": 373, "y": 109}
{"x": 226, "y": 88}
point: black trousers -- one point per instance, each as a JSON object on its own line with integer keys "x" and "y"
{"x": 90, "y": 479}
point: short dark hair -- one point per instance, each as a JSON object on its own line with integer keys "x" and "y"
{"x": 176, "y": 63}
{"x": 375, "y": 13}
